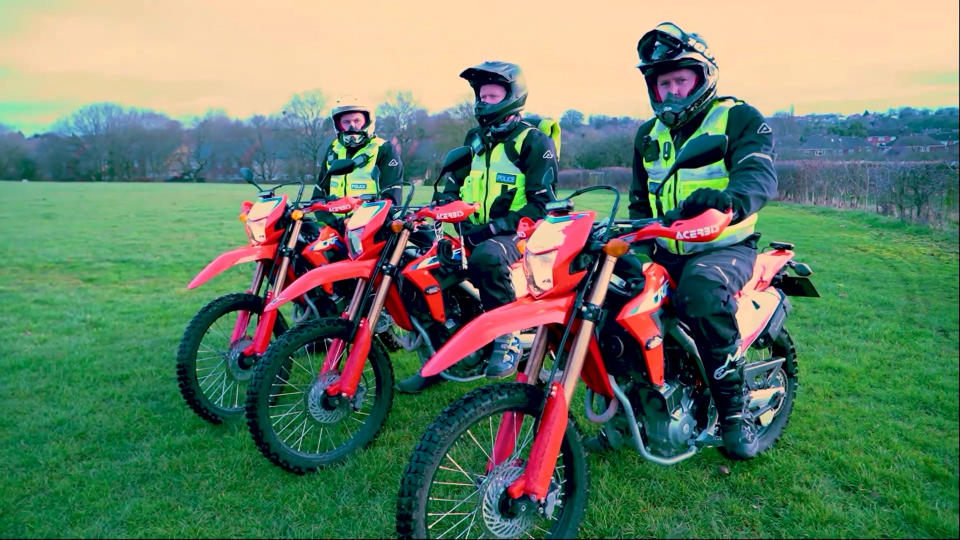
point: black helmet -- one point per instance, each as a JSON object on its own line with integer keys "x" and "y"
{"x": 667, "y": 48}
{"x": 505, "y": 74}
{"x": 353, "y": 138}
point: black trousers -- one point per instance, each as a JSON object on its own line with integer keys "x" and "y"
{"x": 488, "y": 268}
{"x": 704, "y": 299}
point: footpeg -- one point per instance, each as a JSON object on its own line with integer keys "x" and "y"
{"x": 707, "y": 440}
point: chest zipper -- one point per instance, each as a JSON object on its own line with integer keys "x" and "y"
{"x": 486, "y": 189}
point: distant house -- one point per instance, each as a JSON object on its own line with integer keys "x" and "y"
{"x": 918, "y": 143}
{"x": 833, "y": 145}
{"x": 881, "y": 140}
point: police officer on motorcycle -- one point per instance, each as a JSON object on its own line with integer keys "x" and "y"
{"x": 513, "y": 175}
{"x": 378, "y": 162}
{"x": 681, "y": 78}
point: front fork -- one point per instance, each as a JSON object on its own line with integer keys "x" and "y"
{"x": 261, "y": 337}
{"x": 346, "y": 385}
{"x": 243, "y": 317}
{"x": 534, "y": 483}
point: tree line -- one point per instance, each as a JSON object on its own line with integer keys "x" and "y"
{"x": 109, "y": 142}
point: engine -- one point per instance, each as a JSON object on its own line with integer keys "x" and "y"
{"x": 668, "y": 417}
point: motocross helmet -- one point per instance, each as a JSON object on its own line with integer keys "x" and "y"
{"x": 505, "y": 74}
{"x": 353, "y": 138}
{"x": 667, "y": 48}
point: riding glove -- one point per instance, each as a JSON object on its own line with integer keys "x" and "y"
{"x": 704, "y": 199}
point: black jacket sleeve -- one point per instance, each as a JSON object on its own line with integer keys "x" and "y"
{"x": 639, "y": 199}
{"x": 749, "y": 160}
{"x": 323, "y": 187}
{"x": 391, "y": 171}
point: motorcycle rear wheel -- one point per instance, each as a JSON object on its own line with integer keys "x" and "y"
{"x": 211, "y": 373}
{"x": 292, "y": 420}
{"x": 786, "y": 377}
{"x": 446, "y": 490}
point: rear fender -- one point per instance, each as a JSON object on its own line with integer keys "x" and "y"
{"x": 523, "y": 313}
{"x": 767, "y": 265}
{"x": 330, "y": 273}
{"x": 232, "y": 258}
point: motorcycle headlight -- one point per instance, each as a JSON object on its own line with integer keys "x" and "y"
{"x": 256, "y": 230}
{"x": 355, "y": 241}
{"x": 538, "y": 267}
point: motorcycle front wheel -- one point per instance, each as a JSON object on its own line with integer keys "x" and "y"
{"x": 212, "y": 371}
{"x": 447, "y": 491}
{"x": 292, "y": 419}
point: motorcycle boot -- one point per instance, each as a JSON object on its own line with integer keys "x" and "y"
{"x": 506, "y": 354}
{"x": 416, "y": 383}
{"x": 725, "y": 369}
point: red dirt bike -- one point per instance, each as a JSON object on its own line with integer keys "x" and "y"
{"x": 224, "y": 340}
{"x": 506, "y": 460}
{"x": 338, "y": 389}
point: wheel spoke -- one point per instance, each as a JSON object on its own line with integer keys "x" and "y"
{"x": 463, "y": 503}
{"x": 461, "y": 520}
{"x": 209, "y": 382}
{"x": 457, "y": 468}
{"x": 478, "y": 445}
{"x": 301, "y": 428}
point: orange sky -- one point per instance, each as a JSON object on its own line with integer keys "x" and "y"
{"x": 182, "y": 57}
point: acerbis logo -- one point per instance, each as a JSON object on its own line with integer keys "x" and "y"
{"x": 340, "y": 208}
{"x": 697, "y": 233}
{"x": 449, "y": 215}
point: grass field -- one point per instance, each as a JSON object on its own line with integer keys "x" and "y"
{"x": 95, "y": 440}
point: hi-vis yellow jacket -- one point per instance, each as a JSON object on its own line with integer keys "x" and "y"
{"x": 494, "y": 172}
{"x": 686, "y": 181}
{"x": 363, "y": 179}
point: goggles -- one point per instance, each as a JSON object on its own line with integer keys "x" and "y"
{"x": 666, "y": 42}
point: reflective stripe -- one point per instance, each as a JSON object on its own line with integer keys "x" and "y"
{"x": 363, "y": 180}
{"x": 755, "y": 154}
{"x": 483, "y": 185}
{"x": 686, "y": 181}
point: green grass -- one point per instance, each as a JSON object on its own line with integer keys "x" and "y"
{"x": 95, "y": 440}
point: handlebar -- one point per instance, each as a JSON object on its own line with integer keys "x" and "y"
{"x": 704, "y": 227}
{"x": 451, "y": 212}
{"x": 340, "y": 205}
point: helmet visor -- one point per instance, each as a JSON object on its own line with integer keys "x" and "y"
{"x": 664, "y": 42}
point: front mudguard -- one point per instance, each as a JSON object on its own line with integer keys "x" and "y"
{"x": 330, "y": 273}
{"x": 518, "y": 315}
{"x": 232, "y": 258}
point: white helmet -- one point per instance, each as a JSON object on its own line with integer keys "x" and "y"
{"x": 353, "y": 138}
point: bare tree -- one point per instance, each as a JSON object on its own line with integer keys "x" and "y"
{"x": 197, "y": 151}
{"x": 265, "y": 150}
{"x": 214, "y": 147}
{"x": 572, "y": 119}
{"x": 14, "y": 159}
{"x": 155, "y": 138}
{"x": 399, "y": 118}
{"x": 90, "y": 129}
{"x": 305, "y": 118}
